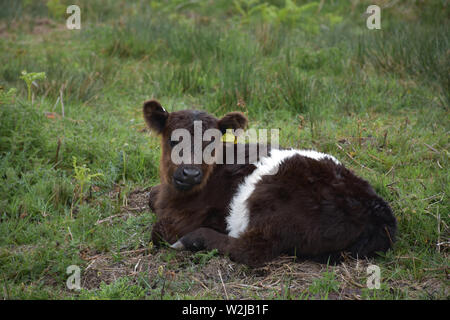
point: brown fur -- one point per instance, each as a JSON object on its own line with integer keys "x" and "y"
{"x": 312, "y": 209}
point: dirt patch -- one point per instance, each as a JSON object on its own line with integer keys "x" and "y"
{"x": 137, "y": 200}
{"x": 134, "y": 203}
{"x": 222, "y": 278}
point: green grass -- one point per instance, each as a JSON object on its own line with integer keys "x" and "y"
{"x": 378, "y": 100}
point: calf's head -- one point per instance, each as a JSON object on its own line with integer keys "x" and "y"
{"x": 188, "y": 171}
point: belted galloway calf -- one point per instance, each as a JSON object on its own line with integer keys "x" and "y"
{"x": 297, "y": 202}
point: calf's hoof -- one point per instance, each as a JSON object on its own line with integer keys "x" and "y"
{"x": 178, "y": 245}
{"x": 193, "y": 241}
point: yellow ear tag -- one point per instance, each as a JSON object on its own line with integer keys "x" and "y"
{"x": 229, "y": 137}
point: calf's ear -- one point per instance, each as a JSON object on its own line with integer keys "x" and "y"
{"x": 155, "y": 115}
{"x": 233, "y": 120}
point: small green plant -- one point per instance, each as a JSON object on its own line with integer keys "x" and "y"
{"x": 123, "y": 163}
{"x": 56, "y": 9}
{"x": 202, "y": 258}
{"x": 323, "y": 286}
{"x": 83, "y": 177}
{"x": 7, "y": 97}
{"x": 121, "y": 289}
{"x": 306, "y": 15}
{"x": 29, "y": 78}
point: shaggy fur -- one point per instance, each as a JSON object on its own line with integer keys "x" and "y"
{"x": 310, "y": 205}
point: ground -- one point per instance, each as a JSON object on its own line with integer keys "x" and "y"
{"x": 77, "y": 162}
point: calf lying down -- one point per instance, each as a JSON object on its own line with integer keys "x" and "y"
{"x": 295, "y": 202}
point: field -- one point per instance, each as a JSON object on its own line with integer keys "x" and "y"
{"x": 77, "y": 162}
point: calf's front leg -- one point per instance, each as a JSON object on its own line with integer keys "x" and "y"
{"x": 251, "y": 248}
{"x": 203, "y": 238}
{"x": 163, "y": 232}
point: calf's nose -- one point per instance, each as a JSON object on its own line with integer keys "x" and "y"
{"x": 191, "y": 172}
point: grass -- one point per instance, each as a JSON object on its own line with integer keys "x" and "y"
{"x": 376, "y": 99}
